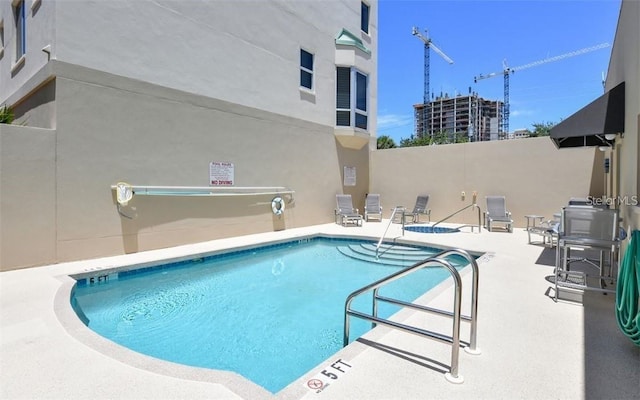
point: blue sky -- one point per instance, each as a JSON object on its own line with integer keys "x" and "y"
{"x": 478, "y": 35}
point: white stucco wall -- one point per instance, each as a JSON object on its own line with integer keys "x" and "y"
{"x": 244, "y": 52}
{"x": 112, "y": 129}
{"x": 40, "y": 33}
{"x": 534, "y": 176}
{"x": 27, "y": 196}
{"x": 625, "y": 67}
{"x": 151, "y": 91}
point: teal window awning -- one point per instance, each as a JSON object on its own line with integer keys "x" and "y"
{"x": 347, "y": 38}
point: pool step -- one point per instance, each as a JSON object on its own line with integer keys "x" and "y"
{"x": 399, "y": 256}
{"x": 397, "y": 249}
{"x": 395, "y": 255}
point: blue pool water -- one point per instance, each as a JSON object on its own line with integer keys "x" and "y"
{"x": 269, "y": 314}
{"x": 431, "y": 229}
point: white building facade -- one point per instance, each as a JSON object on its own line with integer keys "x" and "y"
{"x": 246, "y": 53}
{"x": 152, "y": 92}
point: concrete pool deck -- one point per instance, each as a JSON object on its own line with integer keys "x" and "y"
{"x": 532, "y": 347}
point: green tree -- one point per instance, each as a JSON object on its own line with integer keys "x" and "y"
{"x": 461, "y": 138}
{"x": 386, "y": 142}
{"x": 6, "y": 115}
{"x": 541, "y": 129}
{"x": 415, "y": 141}
{"x": 441, "y": 137}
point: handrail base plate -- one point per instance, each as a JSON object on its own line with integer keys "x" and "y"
{"x": 474, "y": 352}
{"x": 454, "y": 379}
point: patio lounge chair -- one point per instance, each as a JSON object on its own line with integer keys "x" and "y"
{"x": 497, "y": 212}
{"x": 420, "y": 208}
{"x": 345, "y": 213}
{"x": 372, "y": 207}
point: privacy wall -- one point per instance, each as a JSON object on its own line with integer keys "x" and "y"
{"x": 57, "y": 203}
{"x": 534, "y": 176}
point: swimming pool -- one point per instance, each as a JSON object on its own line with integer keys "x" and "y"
{"x": 270, "y": 313}
{"x": 431, "y": 229}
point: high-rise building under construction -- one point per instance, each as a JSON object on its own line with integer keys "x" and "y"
{"x": 462, "y": 116}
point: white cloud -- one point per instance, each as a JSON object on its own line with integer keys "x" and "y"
{"x": 522, "y": 113}
{"x": 386, "y": 121}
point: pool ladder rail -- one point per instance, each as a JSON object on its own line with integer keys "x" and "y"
{"x": 438, "y": 261}
{"x": 393, "y": 215}
{"x": 473, "y": 205}
{"x": 402, "y": 210}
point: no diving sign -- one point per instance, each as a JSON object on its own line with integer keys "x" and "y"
{"x": 329, "y": 374}
{"x": 315, "y": 384}
{"x": 221, "y": 173}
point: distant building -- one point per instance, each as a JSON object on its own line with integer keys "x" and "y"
{"x": 519, "y": 134}
{"x": 463, "y": 115}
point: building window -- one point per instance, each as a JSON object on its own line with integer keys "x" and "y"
{"x": 306, "y": 69}
{"x": 351, "y": 98}
{"x": 20, "y": 18}
{"x": 364, "y": 17}
{"x": 343, "y": 99}
{"x": 361, "y": 100}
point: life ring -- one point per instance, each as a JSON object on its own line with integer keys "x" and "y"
{"x": 277, "y": 205}
{"x": 124, "y": 193}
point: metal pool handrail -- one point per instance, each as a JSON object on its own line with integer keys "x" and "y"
{"x": 393, "y": 214}
{"x": 459, "y": 211}
{"x": 452, "y": 376}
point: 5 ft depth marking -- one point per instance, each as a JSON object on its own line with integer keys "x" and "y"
{"x": 330, "y": 373}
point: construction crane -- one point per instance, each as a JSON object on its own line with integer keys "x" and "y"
{"x": 428, "y": 43}
{"x": 506, "y": 71}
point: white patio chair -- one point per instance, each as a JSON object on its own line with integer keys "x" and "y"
{"x": 345, "y": 213}
{"x": 497, "y": 212}
{"x": 372, "y": 207}
{"x": 420, "y": 208}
